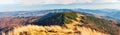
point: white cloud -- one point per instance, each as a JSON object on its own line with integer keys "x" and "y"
{"x": 83, "y": 1}
{"x": 8, "y": 2}
{"x": 29, "y": 2}
{"x": 47, "y": 1}
{"x": 105, "y": 1}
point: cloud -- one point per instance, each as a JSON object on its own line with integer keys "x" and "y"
{"x": 83, "y": 1}
{"x": 65, "y": 1}
{"x": 30, "y": 2}
{"x": 105, "y": 1}
{"x": 8, "y": 2}
{"x": 47, "y": 1}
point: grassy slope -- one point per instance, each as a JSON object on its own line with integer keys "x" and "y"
{"x": 100, "y": 24}
{"x": 71, "y": 24}
{"x": 52, "y": 30}
{"x": 57, "y": 18}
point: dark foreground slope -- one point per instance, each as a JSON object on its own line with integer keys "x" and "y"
{"x": 100, "y": 24}
{"x": 62, "y": 18}
{"x": 88, "y": 20}
{"x": 57, "y": 18}
{"x": 9, "y": 23}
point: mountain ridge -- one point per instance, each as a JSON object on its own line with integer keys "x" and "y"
{"x": 63, "y": 19}
{"x": 103, "y": 12}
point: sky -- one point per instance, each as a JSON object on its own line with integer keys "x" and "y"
{"x": 19, "y": 5}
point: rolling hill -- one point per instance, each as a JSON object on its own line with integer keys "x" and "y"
{"x": 69, "y": 20}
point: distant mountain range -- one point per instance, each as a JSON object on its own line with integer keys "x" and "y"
{"x": 103, "y": 12}
{"x": 112, "y": 13}
{"x": 30, "y": 13}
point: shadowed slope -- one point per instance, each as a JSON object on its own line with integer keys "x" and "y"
{"x": 56, "y": 18}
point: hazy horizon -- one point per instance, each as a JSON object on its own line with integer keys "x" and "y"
{"x": 28, "y": 5}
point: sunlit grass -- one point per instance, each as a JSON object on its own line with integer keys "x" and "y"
{"x": 52, "y": 30}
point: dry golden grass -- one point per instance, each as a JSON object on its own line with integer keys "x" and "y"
{"x": 52, "y": 30}
{"x": 68, "y": 29}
